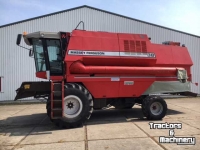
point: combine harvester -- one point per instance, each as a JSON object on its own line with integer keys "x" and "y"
{"x": 88, "y": 70}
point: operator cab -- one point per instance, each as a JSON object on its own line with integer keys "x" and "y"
{"x": 48, "y": 49}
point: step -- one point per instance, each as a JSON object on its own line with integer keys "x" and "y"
{"x": 57, "y": 94}
{"x": 56, "y": 117}
{"x": 56, "y": 82}
{"x": 57, "y": 104}
{"x": 57, "y": 113}
{"x": 54, "y": 100}
{"x": 57, "y": 86}
{"x": 57, "y": 109}
{"x": 57, "y": 100}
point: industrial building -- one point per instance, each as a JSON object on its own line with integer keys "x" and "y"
{"x": 16, "y": 66}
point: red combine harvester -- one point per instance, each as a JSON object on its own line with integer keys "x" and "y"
{"x": 89, "y": 70}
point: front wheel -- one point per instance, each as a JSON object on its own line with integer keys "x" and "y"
{"x": 154, "y": 107}
{"x": 78, "y": 106}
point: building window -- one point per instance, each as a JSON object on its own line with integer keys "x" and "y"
{"x": 0, "y": 84}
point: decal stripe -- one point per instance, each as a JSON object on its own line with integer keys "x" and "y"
{"x": 92, "y": 53}
{"x": 135, "y": 54}
{"x": 105, "y": 53}
{"x": 123, "y": 77}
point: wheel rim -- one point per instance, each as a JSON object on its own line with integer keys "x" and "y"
{"x": 156, "y": 108}
{"x": 72, "y": 106}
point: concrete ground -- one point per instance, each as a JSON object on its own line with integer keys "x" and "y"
{"x": 27, "y": 127}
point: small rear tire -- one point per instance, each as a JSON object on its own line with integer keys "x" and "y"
{"x": 154, "y": 107}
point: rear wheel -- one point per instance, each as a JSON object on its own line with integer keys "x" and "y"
{"x": 154, "y": 107}
{"x": 78, "y": 106}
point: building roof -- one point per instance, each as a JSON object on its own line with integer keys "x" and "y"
{"x": 86, "y": 6}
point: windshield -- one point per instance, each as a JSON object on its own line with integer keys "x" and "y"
{"x": 54, "y": 57}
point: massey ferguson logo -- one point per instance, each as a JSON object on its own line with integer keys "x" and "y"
{"x": 95, "y": 53}
{"x": 75, "y": 52}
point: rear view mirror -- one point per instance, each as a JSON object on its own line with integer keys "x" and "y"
{"x": 31, "y": 52}
{"x": 19, "y": 37}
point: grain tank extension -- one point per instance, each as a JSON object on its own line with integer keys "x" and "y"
{"x": 88, "y": 70}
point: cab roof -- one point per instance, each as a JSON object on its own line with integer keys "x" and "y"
{"x": 41, "y": 34}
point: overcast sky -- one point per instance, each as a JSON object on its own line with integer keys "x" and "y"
{"x": 183, "y": 15}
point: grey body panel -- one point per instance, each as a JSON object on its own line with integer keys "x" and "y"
{"x": 159, "y": 87}
{"x": 41, "y": 34}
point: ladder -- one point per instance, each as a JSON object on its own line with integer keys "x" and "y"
{"x": 57, "y": 99}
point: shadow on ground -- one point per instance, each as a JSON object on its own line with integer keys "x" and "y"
{"x": 16, "y": 125}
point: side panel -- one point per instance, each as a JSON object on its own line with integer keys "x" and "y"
{"x": 93, "y": 58}
{"x": 83, "y": 42}
{"x": 133, "y": 87}
{"x": 118, "y": 86}
{"x": 168, "y": 87}
{"x": 87, "y": 40}
{"x": 129, "y": 86}
{"x": 103, "y": 89}
{"x": 99, "y": 86}
{"x": 168, "y": 55}
{"x": 134, "y": 50}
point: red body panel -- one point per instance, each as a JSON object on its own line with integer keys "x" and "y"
{"x": 43, "y": 75}
{"x": 103, "y": 61}
{"x": 133, "y": 90}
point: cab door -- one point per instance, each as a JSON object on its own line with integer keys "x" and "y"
{"x": 54, "y": 57}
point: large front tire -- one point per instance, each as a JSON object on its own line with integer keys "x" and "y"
{"x": 154, "y": 107}
{"x": 78, "y": 106}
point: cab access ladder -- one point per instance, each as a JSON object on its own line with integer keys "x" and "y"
{"x": 57, "y": 99}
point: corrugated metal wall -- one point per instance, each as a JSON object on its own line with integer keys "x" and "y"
{"x": 16, "y": 66}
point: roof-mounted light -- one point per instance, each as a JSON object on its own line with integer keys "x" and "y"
{"x": 24, "y": 33}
